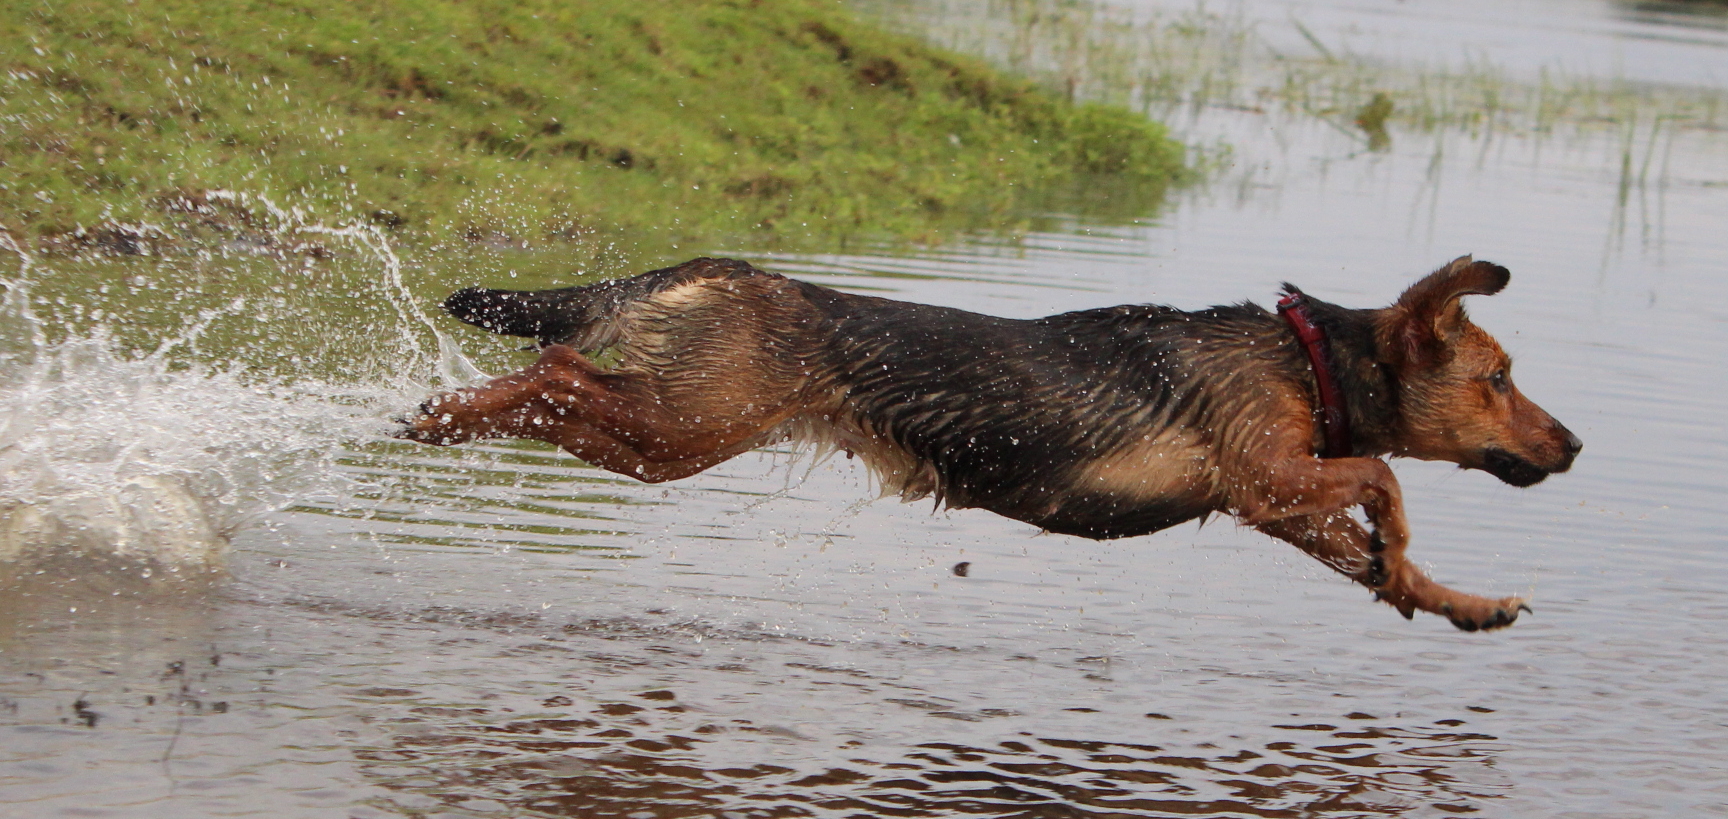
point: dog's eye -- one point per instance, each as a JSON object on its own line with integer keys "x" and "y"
{"x": 1498, "y": 379}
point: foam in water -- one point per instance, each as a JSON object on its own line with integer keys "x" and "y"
{"x": 154, "y": 462}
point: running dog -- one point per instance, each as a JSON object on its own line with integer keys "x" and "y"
{"x": 1104, "y": 423}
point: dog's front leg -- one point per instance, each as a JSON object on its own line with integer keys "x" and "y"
{"x": 1305, "y": 501}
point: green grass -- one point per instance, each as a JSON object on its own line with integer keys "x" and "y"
{"x": 524, "y": 121}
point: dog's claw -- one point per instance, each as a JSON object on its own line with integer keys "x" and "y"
{"x": 1377, "y": 575}
{"x": 409, "y": 433}
{"x": 1502, "y": 616}
{"x": 1406, "y": 609}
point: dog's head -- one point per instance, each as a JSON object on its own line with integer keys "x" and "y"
{"x": 1457, "y": 401}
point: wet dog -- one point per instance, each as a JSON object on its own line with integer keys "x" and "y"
{"x": 1103, "y": 423}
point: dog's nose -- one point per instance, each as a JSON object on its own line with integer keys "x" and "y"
{"x": 1570, "y": 446}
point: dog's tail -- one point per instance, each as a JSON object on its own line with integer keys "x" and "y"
{"x": 585, "y": 317}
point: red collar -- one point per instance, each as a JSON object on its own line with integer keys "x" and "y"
{"x": 1334, "y": 421}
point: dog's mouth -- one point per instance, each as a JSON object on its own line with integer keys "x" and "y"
{"x": 1512, "y": 469}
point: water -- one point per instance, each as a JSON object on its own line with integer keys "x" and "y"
{"x": 497, "y": 630}
{"x": 1641, "y": 42}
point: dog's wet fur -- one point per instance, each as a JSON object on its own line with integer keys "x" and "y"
{"x": 1104, "y": 423}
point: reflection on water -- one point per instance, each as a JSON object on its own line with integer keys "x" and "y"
{"x": 1682, "y": 14}
{"x": 496, "y": 495}
{"x": 568, "y": 756}
{"x": 497, "y": 630}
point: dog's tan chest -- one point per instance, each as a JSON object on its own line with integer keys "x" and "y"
{"x": 1160, "y": 466}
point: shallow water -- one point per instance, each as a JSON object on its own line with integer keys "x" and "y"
{"x": 1644, "y": 41}
{"x": 498, "y": 630}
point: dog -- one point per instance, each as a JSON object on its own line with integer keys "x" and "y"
{"x": 1104, "y": 423}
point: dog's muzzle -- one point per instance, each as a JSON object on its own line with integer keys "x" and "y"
{"x": 1514, "y": 470}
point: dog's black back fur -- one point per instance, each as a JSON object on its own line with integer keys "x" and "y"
{"x": 1003, "y": 408}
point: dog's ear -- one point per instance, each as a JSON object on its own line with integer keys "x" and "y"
{"x": 1429, "y": 315}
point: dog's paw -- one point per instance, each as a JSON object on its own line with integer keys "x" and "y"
{"x": 404, "y": 427}
{"x": 414, "y": 430}
{"x": 1483, "y": 614}
{"x": 433, "y": 423}
{"x": 409, "y": 429}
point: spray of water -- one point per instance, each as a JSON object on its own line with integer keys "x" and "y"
{"x": 153, "y": 462}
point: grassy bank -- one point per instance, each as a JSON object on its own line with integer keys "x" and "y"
{"x": 519, "y": 120}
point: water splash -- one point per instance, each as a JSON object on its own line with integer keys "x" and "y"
{"x": 448, "y": 366}
{"x": 452, "y": 368}
{"x": 154, "y": 462}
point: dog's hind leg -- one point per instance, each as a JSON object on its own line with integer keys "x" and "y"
{"x": 616, "y": 421}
